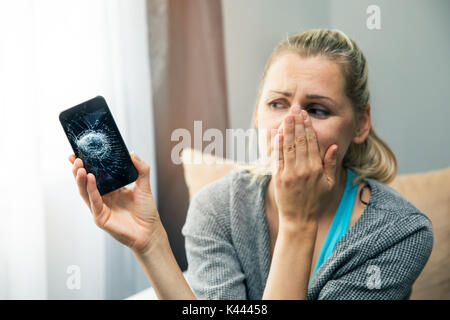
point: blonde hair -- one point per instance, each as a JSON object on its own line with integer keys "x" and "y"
{"x": 371, "y": 159}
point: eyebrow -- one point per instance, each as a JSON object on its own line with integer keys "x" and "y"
{"x": 309, "y": 96}
{"x": 284, "y": 93}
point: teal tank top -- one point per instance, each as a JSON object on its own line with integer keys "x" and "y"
{"x": 341, "y": 221}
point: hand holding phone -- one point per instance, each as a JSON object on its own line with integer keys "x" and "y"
{"x": 103, "y": 168}
{"x": 129, "y": 214}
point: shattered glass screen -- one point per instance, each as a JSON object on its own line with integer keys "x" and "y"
{"x": 96, "y": 140}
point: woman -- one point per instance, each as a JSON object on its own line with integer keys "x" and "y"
{"x": 291, "y": 226}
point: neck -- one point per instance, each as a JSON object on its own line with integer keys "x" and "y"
{"x": 332, "y": 204}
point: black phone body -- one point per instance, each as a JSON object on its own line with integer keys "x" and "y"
{"x": 95, "y": 139}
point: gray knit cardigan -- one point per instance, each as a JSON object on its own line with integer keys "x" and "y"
{"x": 228, "y": 249}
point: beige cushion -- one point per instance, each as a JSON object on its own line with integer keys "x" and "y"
{"x": 429, "y": 191}
{"x": 198, "y": 175}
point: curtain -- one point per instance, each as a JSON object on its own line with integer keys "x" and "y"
{"x": 55, "y": 54}
{"x": 189, "y": 84}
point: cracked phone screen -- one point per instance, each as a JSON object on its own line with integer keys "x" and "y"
{"x": 96, "y": 140}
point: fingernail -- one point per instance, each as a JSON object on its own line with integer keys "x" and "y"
{"x": 290, "y": 120}
{"x": 305, "y": 115}
{"x": 296, "y": 110}
{"x": 136, "y": 156}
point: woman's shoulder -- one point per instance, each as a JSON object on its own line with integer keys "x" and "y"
{"x": 237, "y": 180}
{"x": 391, "y": 228}
{"x": 394, "y": 209}
{"x": 220, "y": 194}
{"x": 221, "y": 200}
{"x": 384, "y": 196}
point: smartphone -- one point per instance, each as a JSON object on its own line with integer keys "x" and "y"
{"x": 96, "y": 140}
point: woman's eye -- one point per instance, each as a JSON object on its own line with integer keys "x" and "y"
{"x": 318, "y": 112}
{"x": 276, "y": 104}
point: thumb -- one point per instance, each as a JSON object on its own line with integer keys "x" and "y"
{"x": 330, "y": 163}
{"x": 143, "y": 180}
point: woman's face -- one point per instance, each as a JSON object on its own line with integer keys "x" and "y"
{"x": 316, "y": 85}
